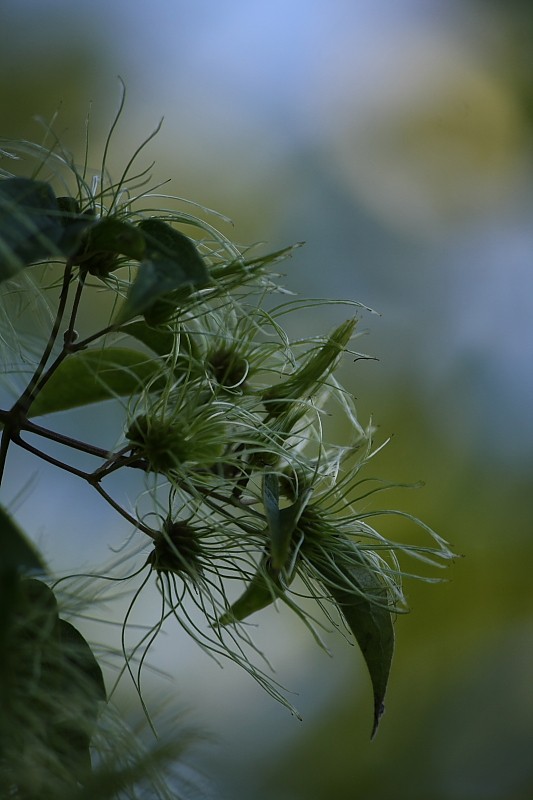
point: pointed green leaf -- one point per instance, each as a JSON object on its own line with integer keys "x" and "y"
{"x": 281, "y": 522}
{"x": 309, "y": 377}
{"x": 30, "y": 224}
{"x": 171, "y": 262}
{"x": 16, "y": 552}
{"x": 92, "y": 376}
{"x": 263, "y": 589}
{"x": 362, "y": 598}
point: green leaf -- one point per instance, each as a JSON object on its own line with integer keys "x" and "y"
{"x": 92, "y": 376}
{"x": 16, "y": 552}
{"x": 30, "y": 224}
{"x": 106, "y": 240}
{"x": 309, "y": 377}
{"x": 164, "y": 240}
{"x": 79, "y": 654}
{"x": 160, "y": 341}
{"x": 263, "y": 589}
{"x": 171, "y": 262}
{"x": 281, "y": 522}
{"x": 74, "y": 225}
{"x": 81, "y": 690}
{"x": 362, "y": 598}
{"x": 112, "y": 235}
{"x": 9, "y": 581}
{"x": 271, "y": 504}
{"x": 164, "y": 308}
{"x": 17, "y": 556}
{"x": 49, "y": 666}
{"x": 37, "y": 595}
{"x": 271, "y": 578}
{"x": 35, "y": 603}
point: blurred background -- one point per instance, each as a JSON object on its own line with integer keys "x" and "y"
{"x": 395, "y": 140}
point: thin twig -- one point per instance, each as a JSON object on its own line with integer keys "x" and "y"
{"x": 82, "y": 344}
{"x": 68, "y": 441}
{"x": 86, "y": 476}
{"x": 25, "y": 400}
{"x": 16, "y": 438}
{"x": 118, "y": 508}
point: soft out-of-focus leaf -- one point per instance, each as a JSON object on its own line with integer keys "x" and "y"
{"x": 78, "y": 653}
{"x": 9, "y": 580}
{"x": 92, "y": 376}
{"x": 48, "y": 665}
{"x": 28, "y": 615}
{"x": 362, "y": 598}
{"x": 16, "y": 552}
{"x": 30, "y": 224}
{"x": 171, "y": 261}
{"x": 17, "y": 556}
{"x": 82, "y": 690}
{"x": 37, "y": 595}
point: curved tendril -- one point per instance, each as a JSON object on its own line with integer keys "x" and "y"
{"x": 112, "y": 129}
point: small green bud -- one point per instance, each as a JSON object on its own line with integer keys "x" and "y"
{"x": 196, "y": 437}
{"x": 177, "y": 549}
{"x": 228, "y": 367}
{"x": 157, "y": 441}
